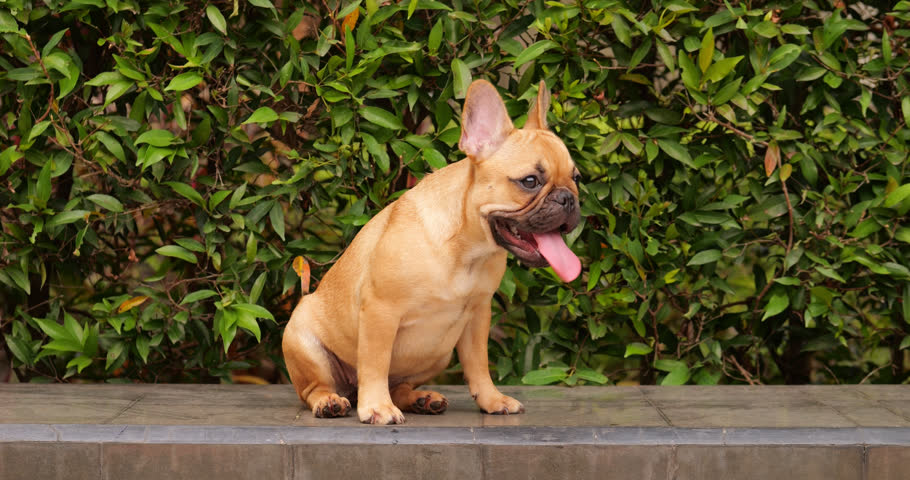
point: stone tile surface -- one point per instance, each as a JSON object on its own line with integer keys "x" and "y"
{"x": 584, "y": 461}
{"x": 264, "y": 433}
{"x": 696, "y": 462}
{"x": 193, "y": 462}
{"x": 888, "y": 463}
{"x": 50, "y": 461}
{"x": 359, "y": 462}
{"x": 744, "y": 406}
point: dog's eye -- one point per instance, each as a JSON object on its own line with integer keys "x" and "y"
{"x": 577, "y": 179}
{"x": 530, "y": 182}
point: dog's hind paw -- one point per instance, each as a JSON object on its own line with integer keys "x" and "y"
{"x": 429, "y": 403}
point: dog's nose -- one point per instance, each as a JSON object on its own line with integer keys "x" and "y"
{"x": 564, "y": 198}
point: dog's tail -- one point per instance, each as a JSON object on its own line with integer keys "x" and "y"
{"x": 302, "y": 267}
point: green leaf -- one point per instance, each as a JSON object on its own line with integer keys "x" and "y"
{"x": 262, "y": 115}
{"x": 534, "y": 51}
{"x": 707, "y": 256}
{"x": 67, "y": 217}
{"x": 198, "y": 295}
{"x": 767, "y": 29}
{"x": 116, "y": 90}
{"x": 111, "y": 144}
{"x": 216, "y": 18}
{"x": 621, "y": 29}
{"x": 776, "y": 304}
{"x": 43, "y": 187}
{"x": 187, "y": 192}
{"x": 254, "y": 309}
{"x": 263, "y": 4}
{"x": 177, "y": 252}
{"x": 433, "y": 158}
{"x": 461, "y": 76}
{"x": 783, "y": 57}
{"x": 383, "y": 118}
{"x": 257, "y": 287}
{"x": 142, "y": 347}
{"x": 21, "y": 350}
{"x": 905, "y": 109}
{"x": 80, "y": 362}
{"x": 435, "y": 38}
{"x": 866, "y": 228}
{"x": 706, "y": 52}
{"x": 9, "y": 156}
{"x": 830, "y": 274}
{"x": 637, "y": 348}
{"x": 677, "y": 151}
{"x": 156, "y": 138}
{"x": 190, "y": 244}
{"x": 677, "y": 376}
{"x": 8, "y": 23}
{"x": 904, "y": 343}
{"x": 19, "y": 278}
{"x": 106, "y": 201}
{"x": 248, "y": 322}
{"x": 719, "y": 70}
{"x": 591, "y": 376}
{"x": 794, "y": 29}
{"x": 899, "y": 194}
{"x": 666, "y": 56}
{"x": 545, "y": 376}
{"x": 276, "y": 216}
{"x": 184, "y": 81}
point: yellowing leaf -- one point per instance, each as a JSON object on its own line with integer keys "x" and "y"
{"x": 303, "y": 271}
{"x": 785, "y": 171}
{"x": 350, "y": 21}
{"x": 131, "y": 303}
{"x": 772, "y": 158}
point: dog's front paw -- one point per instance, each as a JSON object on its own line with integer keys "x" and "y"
{"x": 382, "y": 414}
{"x": 500, "y": 404}
{"x": 331, "y": 405}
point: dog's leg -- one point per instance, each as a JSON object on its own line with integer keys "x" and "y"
{"x": 424, "y": 402}
{"x": 375, "y": 340}
{"x": 472, "y": 352}
{"x": 311, "y": 372}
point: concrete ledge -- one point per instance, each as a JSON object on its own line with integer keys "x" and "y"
{"x": 226, "y": 432}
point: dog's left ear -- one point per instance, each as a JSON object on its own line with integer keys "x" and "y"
{"x": 537, "y": 116}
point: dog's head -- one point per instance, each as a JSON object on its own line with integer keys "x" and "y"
{"x": 525, "y": 182}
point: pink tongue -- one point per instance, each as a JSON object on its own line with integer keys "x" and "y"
{"x": 554, "y": 249}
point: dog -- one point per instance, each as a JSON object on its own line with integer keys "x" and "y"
{"x": 418, "y": 279}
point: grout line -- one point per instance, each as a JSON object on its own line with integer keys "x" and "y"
{"x": 655, "y": 407}
{"x": 883, "y": 405}
{"x": 820, "y": 403}
{"x": 124, "y": 409}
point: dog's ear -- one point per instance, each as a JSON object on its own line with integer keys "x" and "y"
{"x": 485, "y": 124}
{"x": 537, "y": 116}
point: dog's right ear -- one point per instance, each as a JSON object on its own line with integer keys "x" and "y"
{"x": 485, "y": 124}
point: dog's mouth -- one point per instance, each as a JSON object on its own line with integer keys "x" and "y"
{"x": 537, "y": 249}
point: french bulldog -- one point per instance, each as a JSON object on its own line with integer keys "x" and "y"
{"x": 418, "y": 279}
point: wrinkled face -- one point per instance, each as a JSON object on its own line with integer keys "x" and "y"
{"x": 529, "y": 195}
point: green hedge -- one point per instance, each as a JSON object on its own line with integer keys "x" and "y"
{"x": 745, "y": 189}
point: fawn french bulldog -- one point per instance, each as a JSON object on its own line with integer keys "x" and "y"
{"x": 418, "y": 279}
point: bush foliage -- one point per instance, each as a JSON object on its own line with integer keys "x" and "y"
{"x": 745, "y": 187}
